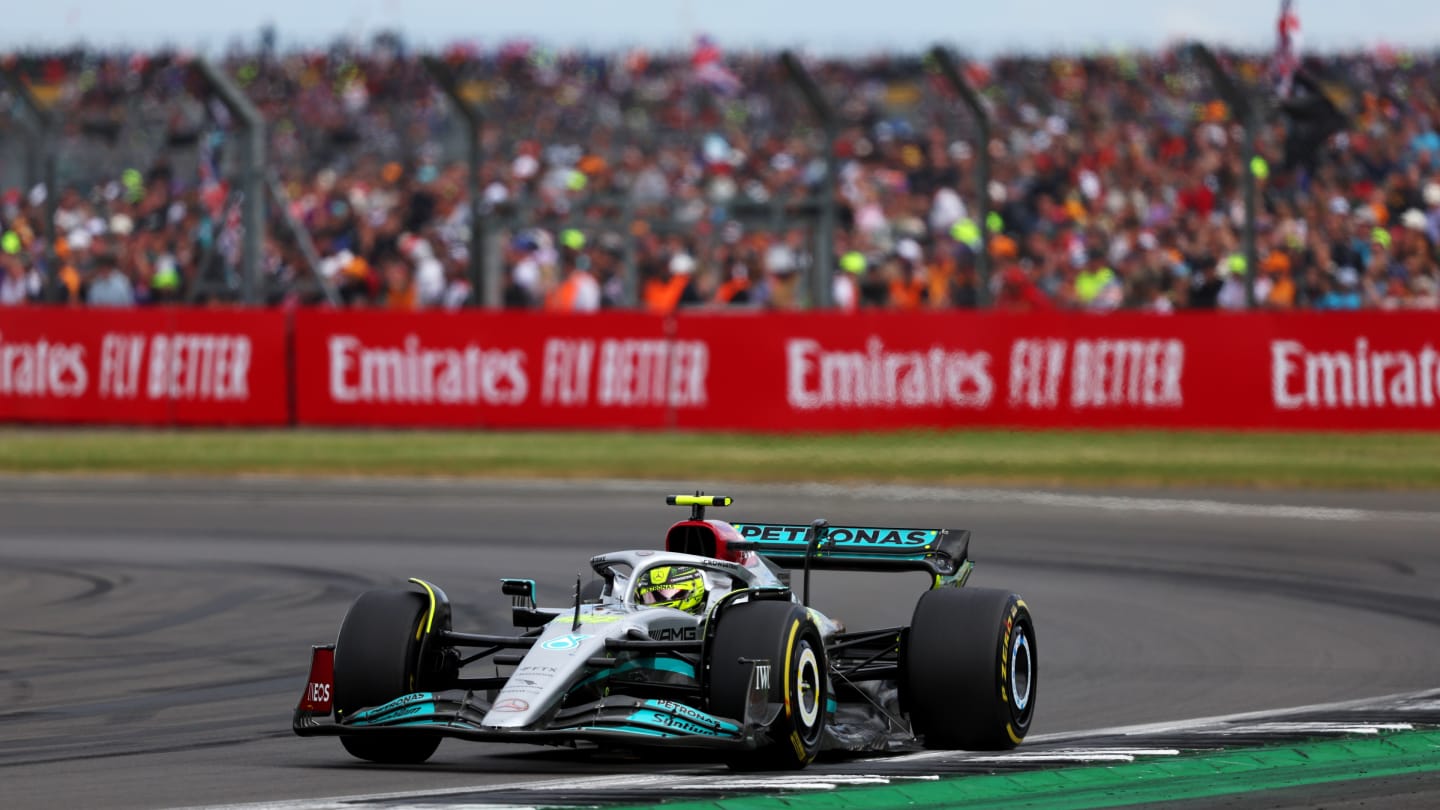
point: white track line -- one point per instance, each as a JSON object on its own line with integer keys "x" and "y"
{"x": 1114, "y": 503}
{"x": 1192, "y": 725}
{"x": 815, "y": 781}
{"x": 1076, "y": 755}
{"x": 461, "y": 489}
{"x": 668, "y": 779}
{"x": 343, "y": 802}
{"x": 1027, "y": 497}
{"x": 1306, "y": 728}
{"x": 901, "y": 493}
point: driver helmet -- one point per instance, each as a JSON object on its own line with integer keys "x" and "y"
{"x": 673, "y": 586}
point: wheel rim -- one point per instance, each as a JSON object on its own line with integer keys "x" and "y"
{"x": 1022, "y": 671}
{"x": 807, "y": 681}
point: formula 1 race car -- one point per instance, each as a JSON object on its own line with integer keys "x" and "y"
{"x": 702, "y": 645}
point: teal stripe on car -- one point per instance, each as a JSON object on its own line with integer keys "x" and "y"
{"x": 657, "y": 663}
{"x": 645, "y": 732}
{"x": 402, "y": 715}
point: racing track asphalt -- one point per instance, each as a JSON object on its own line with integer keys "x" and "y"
{"x": 154, "y": 634}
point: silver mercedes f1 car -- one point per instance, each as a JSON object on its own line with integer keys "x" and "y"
{"x": 704, "y": 644}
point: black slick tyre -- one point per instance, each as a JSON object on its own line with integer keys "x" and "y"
{"x": 781, "y": 633}
{"x": 969, "y": 669}
{"x": 377, "y": 659}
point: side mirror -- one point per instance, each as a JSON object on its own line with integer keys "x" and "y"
{"x": 520, "y": 591}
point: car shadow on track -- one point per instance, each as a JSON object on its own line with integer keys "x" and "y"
{"x": 546, "y": 762}
{"x": 571, "y": 762}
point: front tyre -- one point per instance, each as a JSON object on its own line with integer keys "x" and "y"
{"x": 970, "y": 669}
{"x": 377, "y": 659}
{"x": 781, "y": 633}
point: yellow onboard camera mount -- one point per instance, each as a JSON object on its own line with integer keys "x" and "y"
{"x": 698, "y": 502}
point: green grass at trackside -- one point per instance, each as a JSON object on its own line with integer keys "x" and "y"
{"x": 1265, "y": 460}
{"x": 1146, "y": 780}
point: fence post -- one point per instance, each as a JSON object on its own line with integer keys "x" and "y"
{"x": 486, "y": 290}
{"x": 252, "y": 175}
{"x": 302, "y": 240}
{"x": 823, "y": 267}
{"x": 43, "y": 145}
{"x": 1245, "y": 109}
{"x": 629, "y": 259}
{"x": 950, "y": 70}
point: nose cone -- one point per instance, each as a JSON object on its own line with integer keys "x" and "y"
{"x": 539, "y": 682}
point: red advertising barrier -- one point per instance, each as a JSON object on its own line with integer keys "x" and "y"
{"x": 467, "y": 369}
{"x": 143, "y": 366}
{"x": 1354, "y": 371}
{"x": 825, "y": 372}
{"x": 721, "y": 371}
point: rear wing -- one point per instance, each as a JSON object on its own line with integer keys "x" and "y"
{"x": 941, "y": 552}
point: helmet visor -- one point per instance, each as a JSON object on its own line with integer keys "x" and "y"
{"x": 658, "y": 595}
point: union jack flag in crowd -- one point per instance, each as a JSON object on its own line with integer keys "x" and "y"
{"x": 708, "y": 68}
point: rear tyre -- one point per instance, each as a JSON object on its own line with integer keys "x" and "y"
{"x": 377, "y": 659}
{"x": 781, "y": 633}
{"x": 970, "y": 669}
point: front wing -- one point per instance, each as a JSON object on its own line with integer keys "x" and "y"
{"x": 612, "y": 719}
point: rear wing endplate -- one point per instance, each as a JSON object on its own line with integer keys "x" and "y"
{"x": 940, "y": 552}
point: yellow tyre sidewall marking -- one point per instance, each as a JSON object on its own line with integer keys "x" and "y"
{"x": 430, "y": 614}
{"x": 789, "y": 713}
{"x": 808, "y": 658}
{"x": 1010, "y": 622}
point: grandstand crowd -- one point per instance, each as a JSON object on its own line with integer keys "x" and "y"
{"x": 675, "y": 180}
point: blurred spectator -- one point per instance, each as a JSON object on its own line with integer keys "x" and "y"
{"x": 429, "y": 274}
{"x": 909, "y": 287}
{"x": 400, "y": 288}
{"x": 458, "y": 292}
{"x": 1275, "y": 289}
{"x": 17, "y": 284}
{"x": 675, "y": 287}
{"x": 607, "y": 259}
{"x": 1018, "y": 293}
{"x": 1206, "y": 285}
{"x": 523, "y": 280}
{"x": 578, "y": 290}
{"x": 783, "y": 263}
{"x": 1232, "y": 295}
{"x": 109, "y": 287}
{"x": 846, "y": 289}
{"x": 1340, "y": 290}
{"x": 1096, "y": 285}
{"x": 740, "y": 288}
